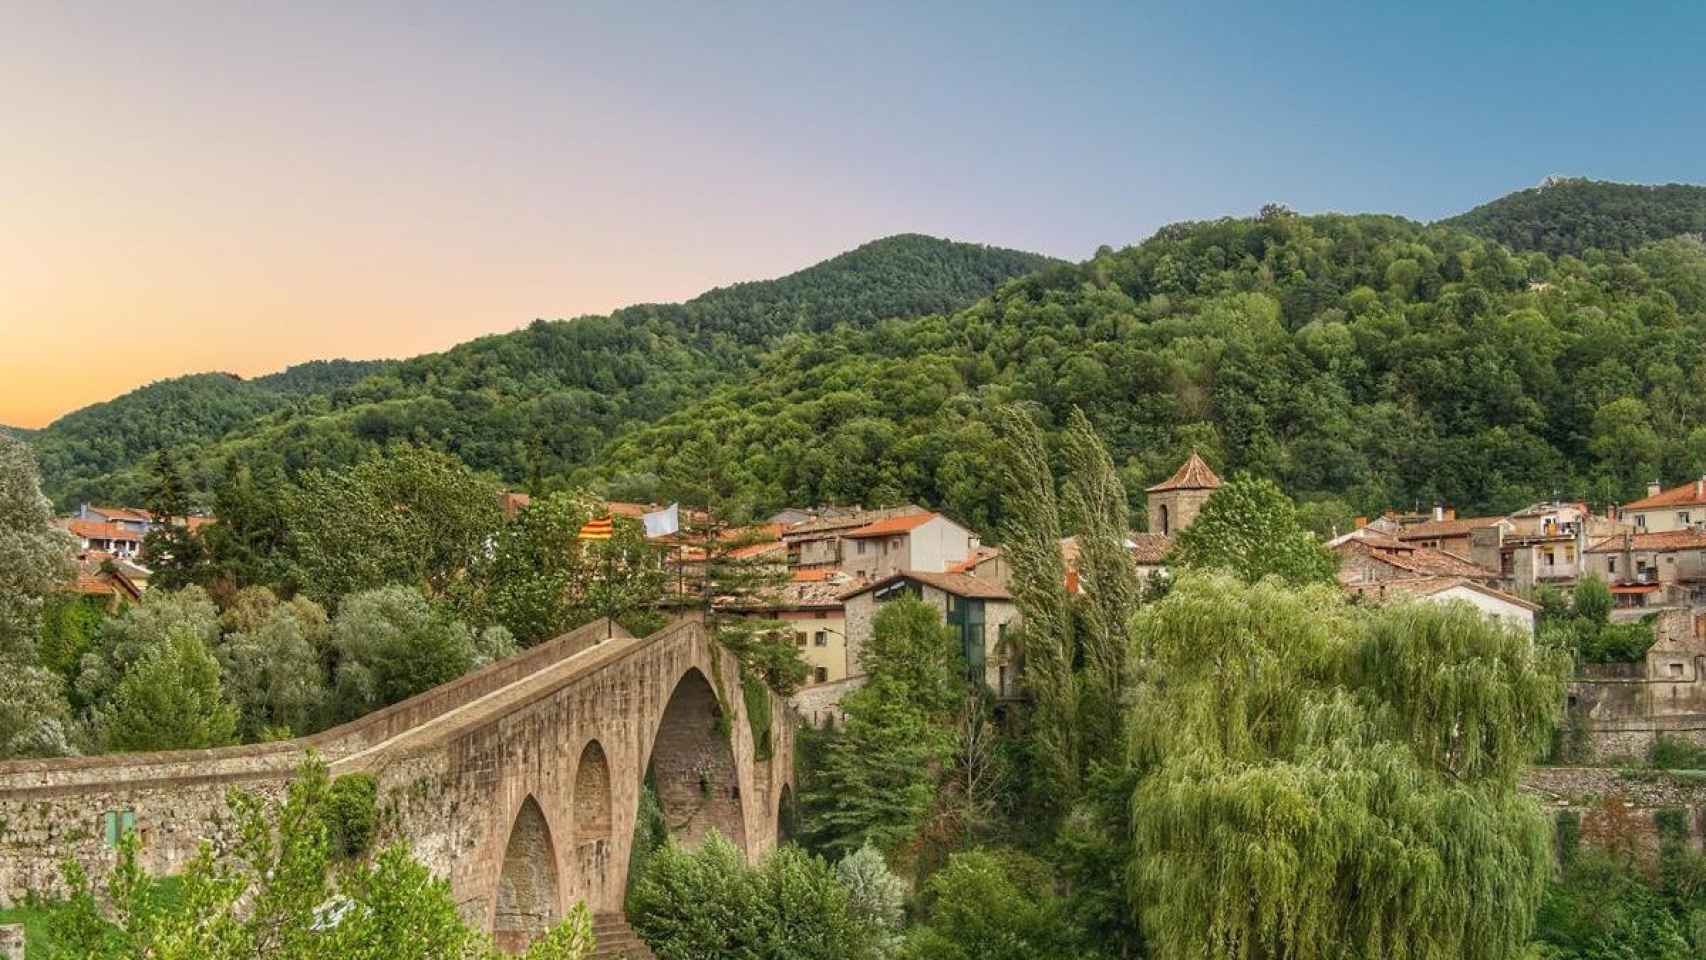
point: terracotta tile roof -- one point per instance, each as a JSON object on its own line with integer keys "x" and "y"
{"x": 99, "y": 530}
{"x": 1692, "y": 492}
{"x": 1460, "y": 527}
{"x": 1693, "y": 538}
{"x": 838, "y": 521}
{"x": 1430, "y": 586}
{"x": 757, "y": 550}
{"x": 1150, "y": 549}
{"x": 891, "y": 526}
{"x": 958, "y": 584}
{"x": 1422, "y": 561}
{"x": 978, "y": 556}
{"x": 1194, "y": 474}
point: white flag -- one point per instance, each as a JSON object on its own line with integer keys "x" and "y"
{"x": 663, "y": 522}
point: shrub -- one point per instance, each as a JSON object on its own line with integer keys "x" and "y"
{"x": 352, "y": 814}
{"x": 708, "y": 904}
{"x": 1674, "y": 753}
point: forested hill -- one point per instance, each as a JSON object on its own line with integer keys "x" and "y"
{"x": 537, "y": 401}
{"x": 1361, "y": 361}
{"x": 183, "y": 411}
{"x": 1571, "y": 215}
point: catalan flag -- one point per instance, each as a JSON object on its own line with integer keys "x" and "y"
{"x": 599, "y": 529}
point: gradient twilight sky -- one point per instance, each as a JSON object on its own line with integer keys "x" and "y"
{"x": 241, "y": 186}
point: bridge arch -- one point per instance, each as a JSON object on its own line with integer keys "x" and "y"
{"x": 692, "y": 765}
{"x": 593, "y": 849}
{"x": 529, "y": 890}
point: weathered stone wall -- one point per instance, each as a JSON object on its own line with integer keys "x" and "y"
{"x": 1636, "y": 797}
{"x": 455, "y": 781}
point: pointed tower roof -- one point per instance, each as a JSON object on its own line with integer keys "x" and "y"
{"x": 1193, "y": 475}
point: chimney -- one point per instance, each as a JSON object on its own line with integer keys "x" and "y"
{"x": 1653, "y": 488}
{"x": 1451, "y": 513}
{"x": 1361, "y": 522}
{"x": 1439, "y": 511}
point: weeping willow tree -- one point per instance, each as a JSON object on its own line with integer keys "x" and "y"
{"x": 1324, "y": 781}
{"x": 1031, "y": 536}
{"x": 1095, "y": 501}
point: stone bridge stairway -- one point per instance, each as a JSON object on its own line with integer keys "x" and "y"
{"x": 617, "y": 940}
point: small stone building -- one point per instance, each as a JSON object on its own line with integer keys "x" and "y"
{"x": 978, "y": 611}
{"x": 1175, "y": 502}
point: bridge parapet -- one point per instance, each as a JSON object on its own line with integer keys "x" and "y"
{"x": 552, "y": 745}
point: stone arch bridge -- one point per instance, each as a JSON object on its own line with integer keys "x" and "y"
{"x": 520, "y": 782}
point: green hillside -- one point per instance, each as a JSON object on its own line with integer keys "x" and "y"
{"x": 539, "y": 401}
{"x": 187, "y": 411}
{"x": 1365, "y": 361}
{"x": 1572, "y": 215}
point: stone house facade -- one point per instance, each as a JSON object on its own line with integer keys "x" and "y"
{"x": 1175, "y": 502}
{"x": 978, "y": 611}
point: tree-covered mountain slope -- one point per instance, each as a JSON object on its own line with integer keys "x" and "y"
{"x": 537, "y": 401}
{"x": 1572, "y": 214}
{"x": 1361, "y": 361}
{"x": 185, "y": 411}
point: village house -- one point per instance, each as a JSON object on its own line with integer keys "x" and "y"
{"x": 810, "y": 606}
{"x": 109, "y": 581}
{"x": 104, "y": 536}
{"x": 1622, "y": 708}
{"x": 133, "y": 519}
{"x": 1647, "y": 570}
{"x": 817, "y": 542}
{"x": 1368, "y": 556}
{"x": 1496, "y": 604}
{"x": 1661, "y": 511}
{"x": 977, "y": 611}
{"x": 926, "y": 542}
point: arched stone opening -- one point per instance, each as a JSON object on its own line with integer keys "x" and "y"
{"x": 1166, "y": 526}
{"x": 693, "y": 766}
{"x": 592, "y": 796}
{"x": 527, "y": 900}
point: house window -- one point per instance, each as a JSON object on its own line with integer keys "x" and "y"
{"x": 821, "y": 639}
{"x": 821, "y": 674}
{"x": 800, "y": 638}
{"x": 1682, "y": 517}
{"x": 1610, "y": 564}
{"x": 1676, "y": 671}
{"x": 861, "y": 548}
{"x": 1547, "y": 556}
{"x": 1641, "y": 520}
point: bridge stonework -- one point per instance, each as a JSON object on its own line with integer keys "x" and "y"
{"x": 519, "y": 783}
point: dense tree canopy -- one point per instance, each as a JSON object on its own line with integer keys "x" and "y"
{"x": 1575, "y": 214}
{"x": 525, "y": 405}
{"x": 1320, "y": 781}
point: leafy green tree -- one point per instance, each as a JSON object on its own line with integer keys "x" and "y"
{"x": 272, "y": 666}
{"x": 414, "y": 516}
{"x": 175, "y": 554}
{"x": 1319, "y": 780}
{"x": 1031, "y": 536}
{"x": 125, "y": 639}
{"x": 390, "y": 644}
{"x": 1250, "y": 527}
{"x": 708, "y": 904}
{"x": 70, "y": 624}
{"x": 35, "y": 556}
{"x": 987, "y": 905}
{"x": 169, "y": 699}
{"x": 880, "y": 774}
{"x": 876, "y": 898}
{"x": 1095, "y": 497}
{"x": 1588, "y": 630}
